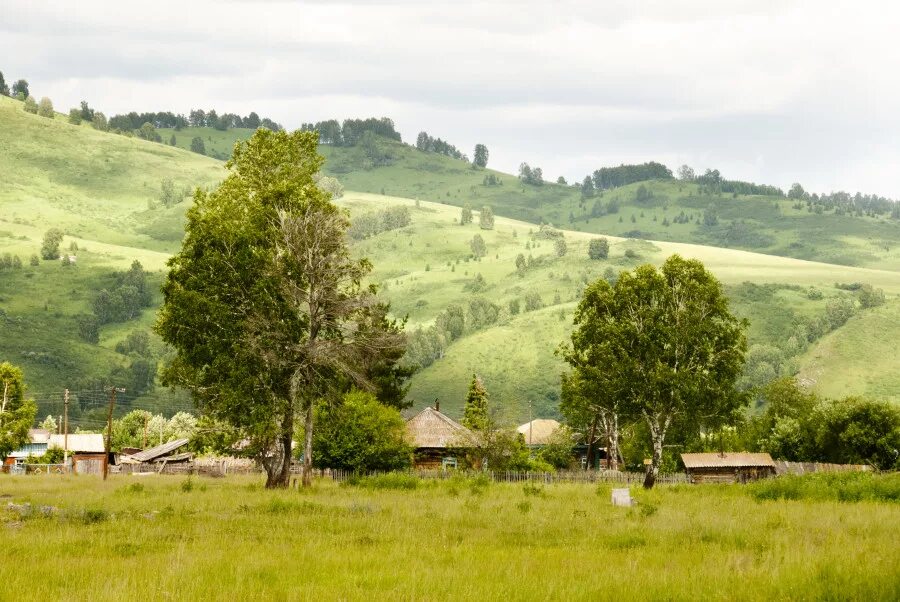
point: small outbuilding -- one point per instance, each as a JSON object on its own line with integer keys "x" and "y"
{"x": 437, "y": 439}
{"x": 728, "y": 467}
{"x": 87, "y": 452}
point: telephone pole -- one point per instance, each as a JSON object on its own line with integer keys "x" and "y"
{"x": 112, "y": 403}
{"x": 65, "y": 425}
{"x": 146, "y": 418}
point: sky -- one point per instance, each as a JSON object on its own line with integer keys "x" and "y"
{"x": 772, "y": 92}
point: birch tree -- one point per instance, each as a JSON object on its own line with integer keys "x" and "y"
{"x": 16, "y": 412}
{"x": 664, "y": 345}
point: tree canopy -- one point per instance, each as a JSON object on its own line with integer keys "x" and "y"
{"x": 664, "y": 344}
{"x": 16, "y": 412}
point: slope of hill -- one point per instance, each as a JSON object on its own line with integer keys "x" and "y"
{"x": 99, "y": 188}
{"x": 428, "y": 265}
{"x": 655, "y": 210}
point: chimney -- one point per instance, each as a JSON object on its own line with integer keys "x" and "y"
{"x": 437, "y": 406}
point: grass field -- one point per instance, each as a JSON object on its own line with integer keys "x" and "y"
{"x": 166, "y": 538}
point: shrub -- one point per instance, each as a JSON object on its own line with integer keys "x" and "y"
{"x": 45, "y": 108}
{"x": 598, "y": 248}
{"x": 841, "y": 487}
{"x": 31, "y": 105}
{"x": 75, "y": 116}
{"x": 392, "y": 480}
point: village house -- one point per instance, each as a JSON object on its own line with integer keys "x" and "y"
{"x": 437, "y": 439}
{"x": 538, "y": 432}
{"x": 36, "y": 446}
{"x": 728, "y": 467}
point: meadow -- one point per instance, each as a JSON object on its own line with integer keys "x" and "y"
{"x": 165, "y": 537}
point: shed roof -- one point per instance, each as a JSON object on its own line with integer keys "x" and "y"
{"x": 431, "y": 428}
{"x": 89, "y": 443}
{"x": 540, "y": 429}
{"x": 148, "y": 455}
{"x": 726, "y": 460}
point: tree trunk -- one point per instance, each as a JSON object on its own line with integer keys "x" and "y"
{"x": 590, "y": 448}
{"x": 278, "y": 467}
{"x": 657, "y": 435}
{"x": 612, "y": 453}
{"x": 307, "y": 448}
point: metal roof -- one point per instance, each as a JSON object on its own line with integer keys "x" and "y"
{"x": 148, "y": 455}
{"x": 82, "y": 442}
{"x": 726, "y": 460}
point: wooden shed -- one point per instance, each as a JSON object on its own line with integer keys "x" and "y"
{"x": 87, "y": 452}
{"x": 728, "y": 467}
{"x": 437, "y": 439}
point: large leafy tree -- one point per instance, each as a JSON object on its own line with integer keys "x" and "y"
{"x": 664, "y": 344}
{"x": 264, "y": 305}
{"x": 358, "y": 433}
{"x": 16, "y": 412}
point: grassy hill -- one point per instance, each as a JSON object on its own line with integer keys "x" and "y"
{"x": 103, "y": 191}
{"x": 427, "y": 266}
{"x": 97, "y": 188}
{"x": 669, "y": 210}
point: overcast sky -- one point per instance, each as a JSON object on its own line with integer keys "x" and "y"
{"x": 772, "y": 92}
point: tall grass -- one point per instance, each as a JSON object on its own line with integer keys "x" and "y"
{"x": 843, "y": 487}
{"x": 442, "y": 540}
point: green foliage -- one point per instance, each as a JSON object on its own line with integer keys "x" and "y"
{"x": 479, "y": 248}
{"x": 393, "y": 481}
{"x": 475, "y": 412}
{"x": 671, "y": 330}
{"x": 869, "y": 296}
{"x": 560, "y": 247}
{"x": 480, "y": 156}
{"x": 17, "y": 413}
{"x": 598, "y": 248}
{"x": 466, "y": 215}
{"x": 50, "y": 244}
{"x": 124, "y": 300}
{"x": 558, "y": 451}
{"x": 198, "y": 146}
{"x": 45, "y": 108}
{"x": 486, "y": 218}
{"x": 75, "y": 116}
{"x": 360, "y": 434}
{"x": 375, "y": 222}
{"x": 31, "y": 105}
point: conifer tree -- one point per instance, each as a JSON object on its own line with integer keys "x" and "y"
{"x": 475, "y": 414}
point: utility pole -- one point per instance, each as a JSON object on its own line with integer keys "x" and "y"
{"x": 530, "y": 421}
{"x": 65, "y": 426}
{"x": 112, "y": 403}
{"x": 146, "y": 418}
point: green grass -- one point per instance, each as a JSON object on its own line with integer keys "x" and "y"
{"x": 228, "y": 539}
{"x": 857, "y": 359}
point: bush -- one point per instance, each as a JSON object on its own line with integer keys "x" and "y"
{"x": 45, "y": 108}
{"x": 50, "y": 244}
{"x": 31, "y": 105}
{"x": 75, "y": 116}
{"x": 598, "y": 248}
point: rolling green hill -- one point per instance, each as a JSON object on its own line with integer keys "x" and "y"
{"x": 668, "y": 210}
{"x": 103, "y": 191}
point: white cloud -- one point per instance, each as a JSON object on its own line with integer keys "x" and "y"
{"x": 768, "y": 91}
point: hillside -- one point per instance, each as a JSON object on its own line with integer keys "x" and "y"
{"x": 668, "y": 210}
{"x": 103, "y": 191}
{"x": 427, "y": 266}
{"x": 95, "y": 187}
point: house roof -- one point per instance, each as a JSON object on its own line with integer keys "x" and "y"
{"x": 430, "y": 428}
{"x": 38, "y": 435}
{"x": 81, "y": 442}
{"x": 540, "y": 430}
{"x": 726, "y": 460}
{"x": 148, "y": 455}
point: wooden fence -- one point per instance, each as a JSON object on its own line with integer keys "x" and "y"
{"x": 783, "y": 467}
{"x": 574, "y": 476}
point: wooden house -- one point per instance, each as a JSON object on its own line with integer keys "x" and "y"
{"x": 728, "y": 467}
{"x": 538, "y": 432}
{"x": 437, "y": 439}
{"x": 87, "y": 452}
{"x": 36, "y": 446}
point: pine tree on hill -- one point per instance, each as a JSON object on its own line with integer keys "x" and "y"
{"x": 475, "y": 414}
